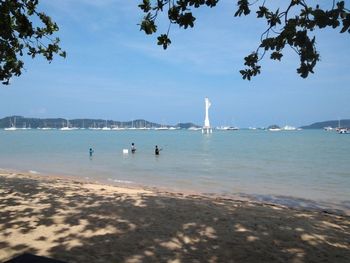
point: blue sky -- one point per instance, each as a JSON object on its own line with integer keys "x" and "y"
{"x": 114, "y": 71}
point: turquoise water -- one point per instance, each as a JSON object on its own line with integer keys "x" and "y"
{"x": 312, "y": 165}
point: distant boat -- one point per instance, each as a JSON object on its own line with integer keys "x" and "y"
{"x": 12, "y": 125}
{"x": 194, "y": 128}
{"x": 25, "y": 127}
{"x": 11, "y": 129}
{"x": 274, "y": 129}
{"x": 144, "y": 126}
{"x": 227, "y": 128}
{"x": 344, "y": 131}
{"x": 132, "y": 126}
{"x": 328, "y": 128}
{"x": 288, "y": 128}
{"x": 118, "y": 128}
{"x": 94, "y": 127}
{"x": 163, "y": 128}
{"x": 106, "y": 128}
{"x": 67, "y": 128}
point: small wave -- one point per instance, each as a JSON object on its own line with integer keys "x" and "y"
{"x": 33, "y": 172}
{"x": 120, "y": 181}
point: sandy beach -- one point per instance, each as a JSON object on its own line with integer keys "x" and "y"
{"x": 76, "y": 221}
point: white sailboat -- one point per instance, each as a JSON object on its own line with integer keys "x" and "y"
{"x": 194, "y": 128}
{"x": 289, "y": 128}
{"x": 94, "y": 127}
{"x": 132, "y": 126}
{"x": 12, "y": 125}
{"x": 162, "y": 128}
{"x": 274, "y": 129}
{"x": 106, "y": 128}
{"x": 227, "y": 128}
{"x": 66, "y": 128}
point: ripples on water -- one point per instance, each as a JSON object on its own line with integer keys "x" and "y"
{"x": 304, "y": 164}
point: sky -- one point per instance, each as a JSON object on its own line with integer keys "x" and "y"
{"x": 115, "y": 71}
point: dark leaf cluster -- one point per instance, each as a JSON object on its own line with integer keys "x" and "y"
{"x": 283, "y": 29}
{"x": 20, "y": 36}
{"x": 179, "y": 12}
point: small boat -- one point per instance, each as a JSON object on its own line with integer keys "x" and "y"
{"x": 163, "y": 128}
{"x": 289, "y": 128}
{"x": 194, "y": 128}
{"x": 67, "y": 128}
{"x": 13, "y": 125}
{"x": 106, "y": 128}
{"x": 227, "y": 128}
{"x": 222, "y": 128}
{"x": 275, "y": 129}
{"x": 116, "y": 128}
{"x": 328, "y": 128}
{"x": 344, "y": 131}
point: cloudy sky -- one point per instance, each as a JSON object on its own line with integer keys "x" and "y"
{"x": 114, "y": 71}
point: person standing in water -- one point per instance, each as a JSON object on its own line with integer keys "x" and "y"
{"x": 91, "y": 151}
{"x": 157, "y": 150}
{"x": 133, "y": 148}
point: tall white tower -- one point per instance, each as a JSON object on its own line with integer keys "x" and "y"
{"x": 206, "y": 128}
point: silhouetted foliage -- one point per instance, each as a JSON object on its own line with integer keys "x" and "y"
{"x": 289, "y": 27}
{"x": 24, "y": 31}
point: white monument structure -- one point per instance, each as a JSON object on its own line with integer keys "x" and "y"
{"x": 206, "y": 128}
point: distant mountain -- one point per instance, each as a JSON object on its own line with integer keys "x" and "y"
{"x": 333, "y": 124}
{"x": 23, "y": 122}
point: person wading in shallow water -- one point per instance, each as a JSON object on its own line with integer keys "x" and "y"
{"x": 91, "y": 151}
{"x": 157, "y": 150}
{"x": 133, "y": 148}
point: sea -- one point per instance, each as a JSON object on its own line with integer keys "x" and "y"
{"x": 307, "y": 168}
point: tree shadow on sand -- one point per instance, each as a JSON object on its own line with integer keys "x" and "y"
{"x": 75, "y": 222}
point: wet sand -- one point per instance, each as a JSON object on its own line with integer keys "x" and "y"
{"x": 77, "y": 221}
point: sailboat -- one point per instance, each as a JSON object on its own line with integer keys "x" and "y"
{"x": 132, "y": 126}
{"x": 25, "y": 127}
{"x": 106, "y": 128}
{"x": 66, "y": 128}
{"x": 162, "y": 128}
{"x": 13, "y": 125}
{"x": 94, "y": 127}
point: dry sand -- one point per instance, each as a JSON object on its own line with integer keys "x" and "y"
{"x": 76, "y": 221}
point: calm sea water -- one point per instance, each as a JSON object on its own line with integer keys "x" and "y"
{"x": 312, "y": 165}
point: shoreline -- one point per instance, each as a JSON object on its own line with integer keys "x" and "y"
{"x": 78, "y": 221}
{"x": 292, "y": 202}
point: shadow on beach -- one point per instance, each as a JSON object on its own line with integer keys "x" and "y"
{"x": 80, "y": 222}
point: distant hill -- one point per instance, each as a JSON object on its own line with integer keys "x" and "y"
{"x": 333, "y": 124}
{"x": 22, "y": 122}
